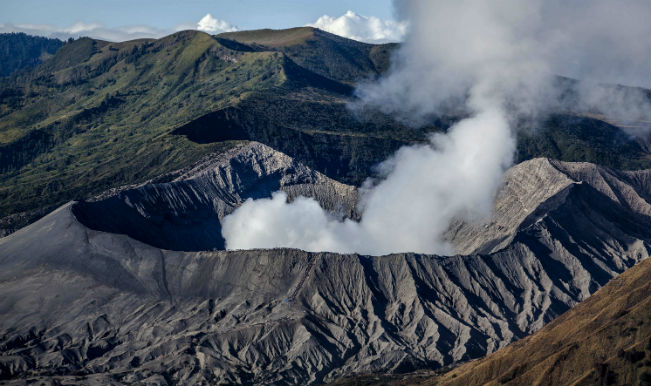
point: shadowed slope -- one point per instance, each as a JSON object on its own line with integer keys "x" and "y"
{"x": 20, "y": 51}
{"x": 185, "y": 214}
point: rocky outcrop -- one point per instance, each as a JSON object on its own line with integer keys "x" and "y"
{"x": 534, "y": 187}
{"x": 87, "y": 306}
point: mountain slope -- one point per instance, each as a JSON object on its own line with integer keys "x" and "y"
{"x": 60, "y": 128}
{"x": 108, "y": 304}
{"x": 533, "y": 188}
{"x": 604, "y": 340}
{"x": 326, "y": 54}
{"x": 127, "y": 95}
{"x": 98, "y": 115}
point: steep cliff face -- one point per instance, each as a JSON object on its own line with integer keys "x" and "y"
{"x": 84, "y": 305}
{"x": 185, "y": 213}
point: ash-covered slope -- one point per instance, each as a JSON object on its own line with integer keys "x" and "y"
{"x": 86, "y": 306}
{"x": 185, "y": 214}
{"x": 605, "y": 340}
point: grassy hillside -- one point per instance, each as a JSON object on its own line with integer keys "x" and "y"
{"x": 98, "y": 115}
{"x": 272, "y": 38}
{"x": 101, "y": 114}
{"x": 605, "y": 340}
{"x": 326, "y": 54}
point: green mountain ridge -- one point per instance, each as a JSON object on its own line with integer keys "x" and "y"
{"x": 324, "y": 53}
{"x": 98, "y": 115}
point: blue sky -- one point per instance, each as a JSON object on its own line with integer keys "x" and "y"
{"x": 165, "y": 14}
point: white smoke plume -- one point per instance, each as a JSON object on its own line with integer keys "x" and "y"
{"x": 407, "y": 211}
{"x": 627, "y": 107}
{"x": 495, "y": 59}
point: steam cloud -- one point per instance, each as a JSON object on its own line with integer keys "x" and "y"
{"x": 406, "y": 211}
{"x": 495, "y": 59}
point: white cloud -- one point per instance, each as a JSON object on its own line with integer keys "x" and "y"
{"x": 93, "y": 30}
{"x": 211, "y": 25}
{"x": 351, "y": 25}
{"x": 207, "y": 24}
{"x": 368, "y": 29}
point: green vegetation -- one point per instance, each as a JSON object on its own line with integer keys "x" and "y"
{"x": 269, "y": 38}
{"x": 326, "y": 54}
{"x": 98, "y": 115}
{"x": 18, "y": 51}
